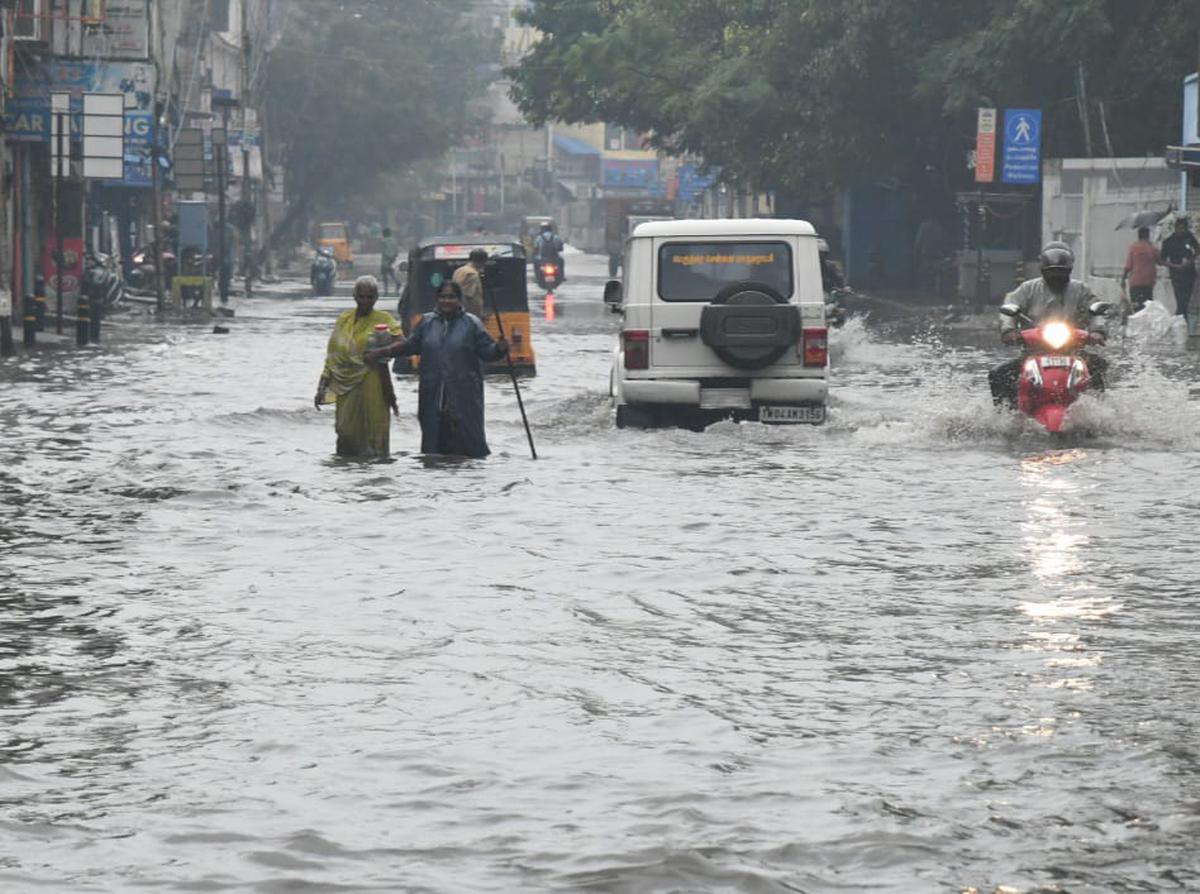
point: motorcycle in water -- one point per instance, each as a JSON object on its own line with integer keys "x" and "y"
{"x": 323, "y": 273}
{"x": 548, "y": 272}
{"x": 1053, "y": 371}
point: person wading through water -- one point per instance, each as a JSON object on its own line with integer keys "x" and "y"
{"x": 469, "y": 278}
{"x": 453, "y": 346}
{"x": 361, "y": 387}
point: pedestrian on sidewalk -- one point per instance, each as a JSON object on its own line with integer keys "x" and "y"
{"x": 1179, "y": 252}
{"x": 361, "y": 387}
{"x": 453, "y": 346}
{"x": 1141, "y": 269}
{"x": 389, "y": 250}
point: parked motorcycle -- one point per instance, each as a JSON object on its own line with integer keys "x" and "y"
{"x": 102, "y": 280}
{"x": 324, "y": 272}
{"x": 141, "y": 274}
{"x": 1053, "y": 372}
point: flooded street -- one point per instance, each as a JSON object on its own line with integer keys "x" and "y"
{"x": 920, "y": 648}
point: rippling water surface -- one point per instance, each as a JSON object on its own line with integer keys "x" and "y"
{"x": 917, "y": 649}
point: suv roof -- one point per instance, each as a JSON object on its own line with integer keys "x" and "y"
{"x": 750, "y": 226}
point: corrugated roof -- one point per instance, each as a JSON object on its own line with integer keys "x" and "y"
{"x": 573, "y": 146}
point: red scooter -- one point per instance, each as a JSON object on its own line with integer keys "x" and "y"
{"x": 548, "y": 274}
{"x": 1053, "y": 373}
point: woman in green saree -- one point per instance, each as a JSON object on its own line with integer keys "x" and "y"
{"x": 361, "y": 389}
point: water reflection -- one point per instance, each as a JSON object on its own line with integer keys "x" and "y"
{"x": 1056, "y": 538}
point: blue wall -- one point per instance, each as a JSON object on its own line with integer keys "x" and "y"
{"x": 879, "y": 234}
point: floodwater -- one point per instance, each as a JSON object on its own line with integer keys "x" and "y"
{"x": 920, "y": 648}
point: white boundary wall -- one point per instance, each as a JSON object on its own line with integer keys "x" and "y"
{"x": 1083, "y": 199}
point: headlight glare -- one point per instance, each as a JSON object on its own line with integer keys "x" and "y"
{"x": 1056, "y": 334}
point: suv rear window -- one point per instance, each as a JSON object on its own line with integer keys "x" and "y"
{"x": 696, "y": 271}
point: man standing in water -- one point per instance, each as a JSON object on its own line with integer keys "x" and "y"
{"x": 389, "y": 250}
{"x": 1141, "y": 269}
{"x": 1179, "y": 252}
{"x": 469, "y": 278}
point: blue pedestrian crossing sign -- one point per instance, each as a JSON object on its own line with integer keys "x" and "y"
{"x": 1022, "y": 146}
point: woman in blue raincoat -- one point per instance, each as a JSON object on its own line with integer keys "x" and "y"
{"x": 453, "y": 346}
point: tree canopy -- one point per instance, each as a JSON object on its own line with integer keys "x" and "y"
{"x": 358, "y": 93}
{"x": 804, "y": 94}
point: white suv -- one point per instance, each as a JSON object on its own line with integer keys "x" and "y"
{"x": 723, "y": 319}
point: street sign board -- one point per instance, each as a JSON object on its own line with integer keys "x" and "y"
{"x": 190, "y": 168}
{"x": 60, "y": 134}
{"x": 104, "y": 136}
{"x": 1022, "y": 146}
{"x": 985, "y": 146}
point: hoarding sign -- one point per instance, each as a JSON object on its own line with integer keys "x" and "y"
{"x": 985, "y": 146}
{"x": 630, "y": 173}
{"x": 122, "y": 33}
{"x": 693, "y": 183}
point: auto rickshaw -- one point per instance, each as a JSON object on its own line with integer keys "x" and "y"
{"x": 433, "y": 261}
{"x": 336, "y": 236}
{"x": 530, "y": 228}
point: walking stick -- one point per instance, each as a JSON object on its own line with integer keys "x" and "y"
{"x": 512, "y": 372}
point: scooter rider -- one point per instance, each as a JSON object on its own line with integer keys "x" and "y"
{"x": 548, "y": 247}
{"x": 1053, "y": 295}
{"x": 323, "y": 271}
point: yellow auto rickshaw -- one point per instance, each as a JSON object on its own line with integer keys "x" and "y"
{"x": 531, "y": 228}
{"x": 336, "y": 236}
{"x": 434, "y": 261}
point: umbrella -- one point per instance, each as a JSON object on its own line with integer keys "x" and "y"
{"x": 1139, "y": 219}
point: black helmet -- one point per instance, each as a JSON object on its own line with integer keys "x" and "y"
{"x": 1056, "y": 255}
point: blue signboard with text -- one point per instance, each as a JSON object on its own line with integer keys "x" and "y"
{"x": 1022, "y": 146}
{"x": 27, "y": 111}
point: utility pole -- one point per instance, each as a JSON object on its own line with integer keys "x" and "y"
{"x": 60, "y": 107}
{"x": 160, "y": 301}
{"x": 247, "y": 253}
{"x": 268, "y": 265}
{"x": 220, "y": 157}
{"x": 157, "y": 146}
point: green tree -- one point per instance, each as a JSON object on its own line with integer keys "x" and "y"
{"x": 804, "y": 94}
{"x": 1106, "y": 72}
{"x": 358, "y": 93}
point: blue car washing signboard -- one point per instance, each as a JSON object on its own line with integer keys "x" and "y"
{"x": 635, "y": 173}
{"x": 1022, "y": 146}
{"x": 27, "y": 112}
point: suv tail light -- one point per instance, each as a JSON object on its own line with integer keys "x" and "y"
{"x": 637, "y": 348}
{"x": 815, "y": 347}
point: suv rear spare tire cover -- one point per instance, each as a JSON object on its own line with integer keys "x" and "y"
{"x": 750, "y": 325}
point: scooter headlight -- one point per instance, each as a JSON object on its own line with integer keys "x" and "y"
{"x": 1056, "y": 334}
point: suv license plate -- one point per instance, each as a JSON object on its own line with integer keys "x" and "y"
{"x": 791, "y": 415}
